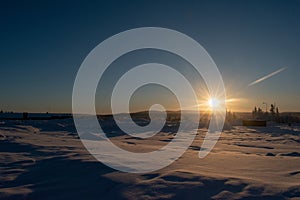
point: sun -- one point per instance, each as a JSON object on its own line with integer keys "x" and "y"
{"x": 213, "y": 103}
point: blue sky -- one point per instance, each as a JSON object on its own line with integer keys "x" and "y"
{"x": 44, "y": 42}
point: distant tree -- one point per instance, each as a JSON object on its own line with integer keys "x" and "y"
{"x": 272, "y": 109}
{"x": 259, "y": 110}
{"x": 277, "y": 115}
{"x": 254, "y": 112}
{"x": 1, "y": 111}
{"x": 234, "y": 116}
{"x": 259, "y": 113}
{"x": 229, "y": 116}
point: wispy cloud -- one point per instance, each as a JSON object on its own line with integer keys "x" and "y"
{"x": 267, "y": 76}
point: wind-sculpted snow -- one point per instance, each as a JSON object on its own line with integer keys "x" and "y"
{"x": 46, "y": 160}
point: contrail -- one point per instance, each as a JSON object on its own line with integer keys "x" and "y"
{"x": 267, "y": 76}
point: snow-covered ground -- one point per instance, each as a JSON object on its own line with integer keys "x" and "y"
{"x": 46, "y": 160}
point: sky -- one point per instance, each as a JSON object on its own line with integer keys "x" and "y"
{"x": 43, "y": 44}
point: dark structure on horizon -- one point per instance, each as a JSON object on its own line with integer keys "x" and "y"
{"x": 254, "y": 123}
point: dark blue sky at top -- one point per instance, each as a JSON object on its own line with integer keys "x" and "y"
{"x": 44, "y": 42}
